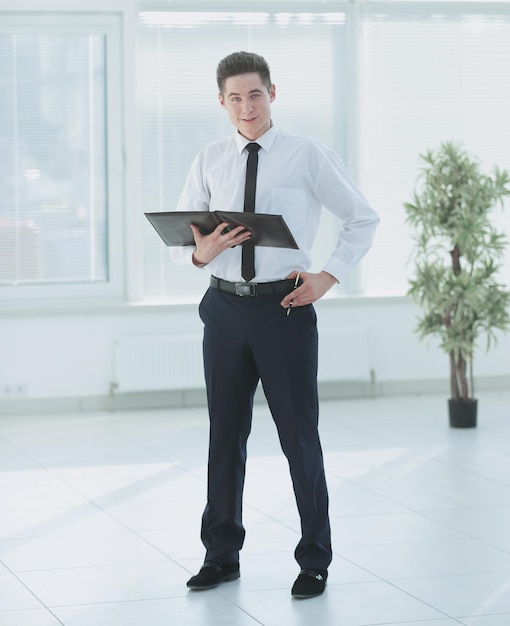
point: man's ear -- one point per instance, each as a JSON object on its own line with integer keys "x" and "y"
{"x": 221, "y": 99}
{"x": 272, "y": 93}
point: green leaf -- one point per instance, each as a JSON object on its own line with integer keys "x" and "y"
{"x": 457, "y": 252}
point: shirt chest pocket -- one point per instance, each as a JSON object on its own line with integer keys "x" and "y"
{"x": 291, "y": 203}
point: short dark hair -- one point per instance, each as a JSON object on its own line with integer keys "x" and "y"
{"x": 242, "y": 63}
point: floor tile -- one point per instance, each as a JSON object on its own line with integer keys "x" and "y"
{"x": 394, "y": 467}
{"x": 370, "y": 530}
{"x": 502, "y": 543}
{"x": 29, "y": 617}
{"x": 176, "y": 544}
{"x": 62, "y": 521}
{"x": 12, "y": 459}
{"x": 350, "y": 605}
{"x": 47, "y": 443}
{"x": 488, "y": 521}
{"x": 463, "y": 596}
{"x": 163, "y": 483}
{"x": 206, "y": 609}
{"x": 113, "y": 583}
{"x": 428, "y": 558}
{"x": 269, "y": 538}
{"x": 435, "y": 622}
{"x": 448, "y": 495}
{"x": 14, "y": 595}
{"x": 487, "y": 620}
{"x": 167, "y": 514}
{"x": 76, "y": 551}
{"x": 347, "y": 499}
{"x": 35, "y": 489}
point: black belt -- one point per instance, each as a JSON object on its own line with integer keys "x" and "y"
{"x": 253, "y": 289}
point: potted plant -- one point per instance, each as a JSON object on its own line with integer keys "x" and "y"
{"x": 457, "y": 257}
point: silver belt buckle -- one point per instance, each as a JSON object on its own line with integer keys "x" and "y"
{"x": 244, "y": 289}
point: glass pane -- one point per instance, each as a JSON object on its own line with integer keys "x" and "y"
{"x": 53, "y": 219}
{"x": 427, "y": 78}
{"x": 181, "y": 114}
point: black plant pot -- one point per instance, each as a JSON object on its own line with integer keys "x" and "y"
{"x": 462, "y": 413}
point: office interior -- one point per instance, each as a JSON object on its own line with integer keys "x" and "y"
{"x": 103, "y": 419}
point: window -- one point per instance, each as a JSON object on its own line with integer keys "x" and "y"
{"x": 56, "y": 201}
{"x": 179, "y": 52}
{"x": 429, "y": 74}
{"x": 379, "y": 82}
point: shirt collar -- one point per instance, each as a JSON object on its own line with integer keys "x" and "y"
{"x": 265, "y": 141}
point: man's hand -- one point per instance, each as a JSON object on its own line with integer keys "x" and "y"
{"x": 314, "y": 286}
{"x": 210, "y": 246}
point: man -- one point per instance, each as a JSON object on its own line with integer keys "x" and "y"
{"x": 263, "y": 327}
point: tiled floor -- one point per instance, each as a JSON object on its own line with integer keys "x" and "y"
{"x": 100, "y": 514}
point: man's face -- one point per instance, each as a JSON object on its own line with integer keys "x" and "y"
{"x": 248, "y": 104}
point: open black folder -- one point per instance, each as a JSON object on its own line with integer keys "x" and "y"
{"x": 267, "y": 229}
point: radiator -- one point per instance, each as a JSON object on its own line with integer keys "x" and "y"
{"x": 168, "y": 362}
{"x": 343, "y": 354}
{"x": 155, "y": 363}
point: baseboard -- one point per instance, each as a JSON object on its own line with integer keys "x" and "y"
{"x": 437, "y": 386}
{"x": 197, "y": 397}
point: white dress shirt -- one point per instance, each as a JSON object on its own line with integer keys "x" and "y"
{"x": 296, "y": 177}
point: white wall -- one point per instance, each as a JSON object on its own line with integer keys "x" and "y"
{"x": 50, "y": 360}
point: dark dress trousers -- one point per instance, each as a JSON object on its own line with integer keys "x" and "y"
{"x": 247, "y": 339}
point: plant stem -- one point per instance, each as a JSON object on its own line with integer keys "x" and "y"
{"x": 471, "y": 379}
{"x": 454, "y": 385}
{"x": 462, "y": 370}
{"x": 458, "y": 362}
{"x": 455, "y": 254}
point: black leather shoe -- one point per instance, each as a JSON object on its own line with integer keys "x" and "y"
{"x": 310, "y": 583}
{"x": 212, "y": 574}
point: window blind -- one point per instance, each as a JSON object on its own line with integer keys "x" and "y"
{"x": 427, "y": 76}
{"x": 180, "y": 114}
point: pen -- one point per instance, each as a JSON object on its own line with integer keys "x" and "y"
{"x": 295, "y": 285}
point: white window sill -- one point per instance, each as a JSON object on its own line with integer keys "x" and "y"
{"x": 67, "y": 308}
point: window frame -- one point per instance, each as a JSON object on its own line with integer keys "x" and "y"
{"x": 108, "y": 24}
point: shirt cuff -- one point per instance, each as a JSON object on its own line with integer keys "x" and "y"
{"x": 182, "y": 255}
{"x": 338, "y": 269}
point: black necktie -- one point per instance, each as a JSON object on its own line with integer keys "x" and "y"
{"x": 248, "y": 255}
